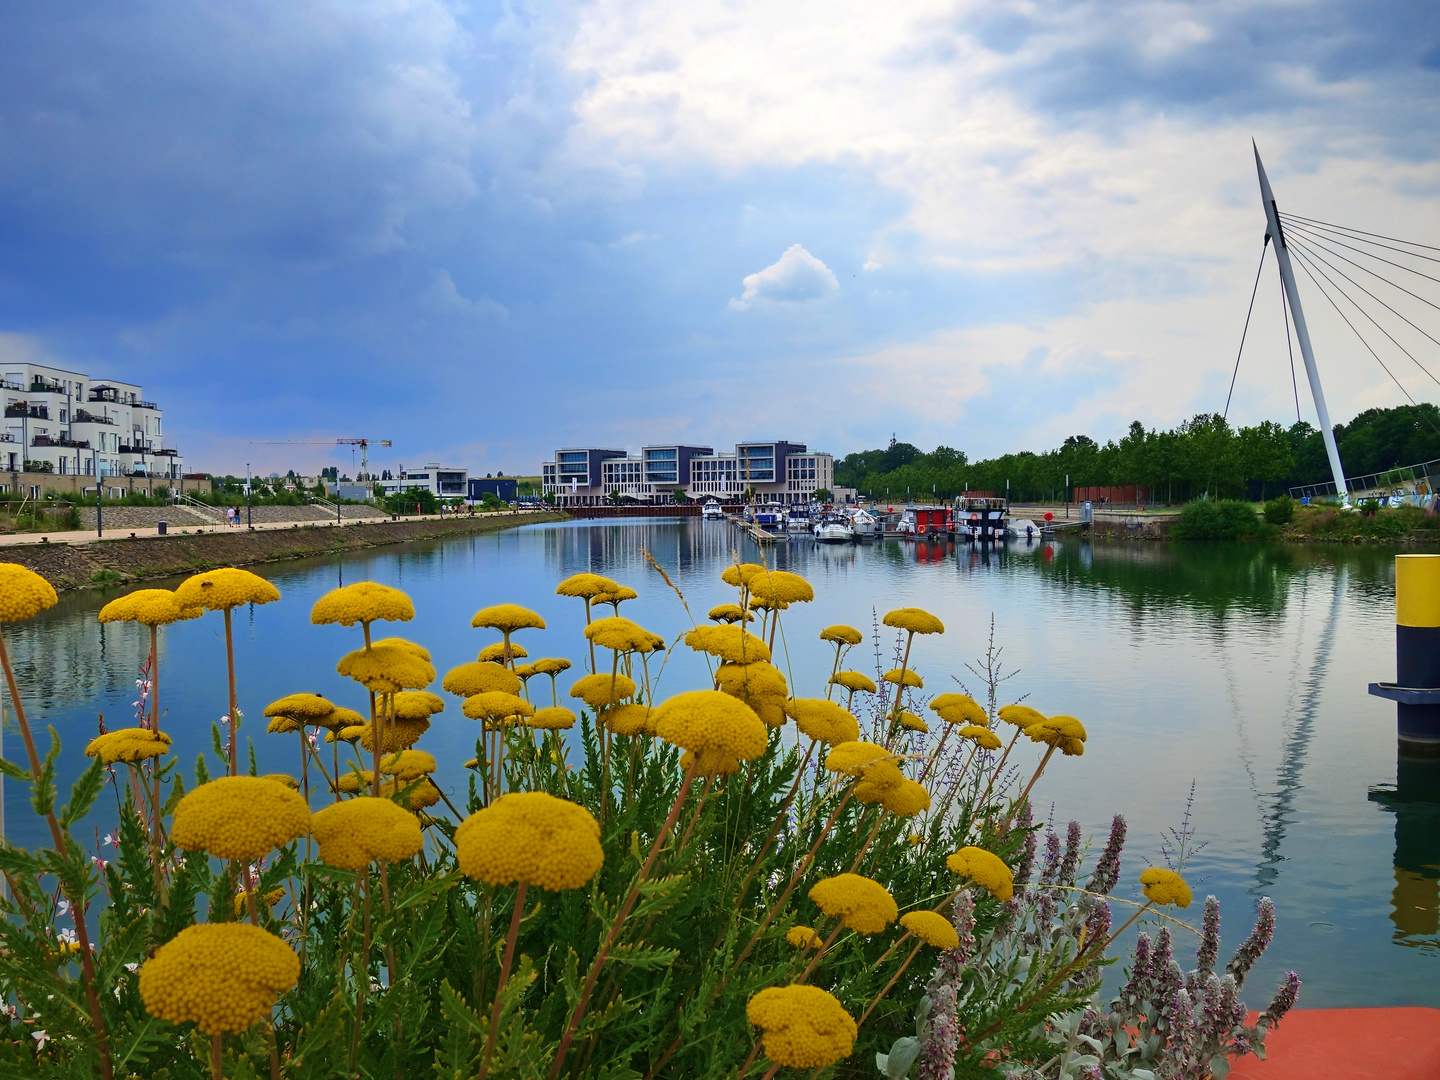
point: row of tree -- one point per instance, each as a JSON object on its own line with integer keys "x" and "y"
{"x": 1203, "y": 454}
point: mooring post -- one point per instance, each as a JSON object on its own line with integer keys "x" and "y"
{"x": 1416, "y": 689}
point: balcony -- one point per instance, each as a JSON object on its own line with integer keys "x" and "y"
{"x": 144, "y": 405}
{"x": 164, "y": 453}
{"x": 83, "y": 416}
{"x": 34, "y": 412}
{"x": 40, "y": 386}
{"x": 68, "y": 444}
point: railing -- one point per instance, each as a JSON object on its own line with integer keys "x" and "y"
{"x": 83, "y": 416}
{"x": 1407, "y": 480}
{"x": 180, "y": 499}
{"x": 69, "y": 444}
{"x": 144, "y": 404}
{"x": 34, "y": 412}
{"x": 164, "y": 452}
{"x": 40, "y": 386}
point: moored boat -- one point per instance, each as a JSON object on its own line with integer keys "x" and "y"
{"x": 712, "y": 511}
{"x": 833, "y": 529}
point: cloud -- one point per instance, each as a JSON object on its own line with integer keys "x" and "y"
{"x": 795, "y": 278}
{"x": 442, "y": 296}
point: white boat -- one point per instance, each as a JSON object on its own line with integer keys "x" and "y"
{"x": 865, "y": 524}
{"x": 767, "y": 515}
{"x": 711, "y": 511}
{"x": 798, "y": 519}
{"x": 833, "y": 529}
{"x": 1023, "y": 528}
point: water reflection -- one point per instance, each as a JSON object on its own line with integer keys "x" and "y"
{"x": 1415, "y": 802}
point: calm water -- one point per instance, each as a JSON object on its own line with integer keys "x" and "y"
{"x": 1241, "y": 668}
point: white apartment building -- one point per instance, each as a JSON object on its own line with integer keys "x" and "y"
{"x": 442, "y": 481}
{"x": 67, "y": 423}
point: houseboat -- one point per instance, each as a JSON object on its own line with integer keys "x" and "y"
{"x": 981, "y": 519}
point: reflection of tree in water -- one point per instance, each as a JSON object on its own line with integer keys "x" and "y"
{"x": 1415, "y": 802}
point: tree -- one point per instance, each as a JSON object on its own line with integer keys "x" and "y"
{"x": 823, "y": 495}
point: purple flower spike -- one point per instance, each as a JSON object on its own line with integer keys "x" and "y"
{"x": 1209, "y": 950}
{"x": 1107, "y": 869}
{"x": 1071, "y": 862}
{"x": 1255, "y": 945}
{"x": 1283, "y": 1001}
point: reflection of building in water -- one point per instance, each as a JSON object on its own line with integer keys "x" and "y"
{"x": 60, "y": 659}
{"x": 614, "y": 550}
{"x": 1415, "y": 802}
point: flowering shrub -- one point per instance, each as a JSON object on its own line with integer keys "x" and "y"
{"x": 671, "y": 884}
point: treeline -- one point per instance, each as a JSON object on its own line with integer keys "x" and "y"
{"x": 1202, "y": 454}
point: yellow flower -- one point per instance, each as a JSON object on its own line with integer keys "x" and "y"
{"x": 1165, "y": 887}
{"x": 551, "y": 665}
{"x": 782, "y": 587}
{"x": 340, "y": 718}
{"x": 803, "y": 1027}
{"x": 601, "y": 690}
{"x": 496, "y": 706}
{"x": 407, "y": 764}
{"x": 239, "y": 817}
{"x": 986, "y": 869}
{"x": 220, "y": 590}
{"x": 501, "y": 652}
{"x": 932, "y": 928}
{"x": 842, "y": 634}
{"x": 960, "y": 709}
{"x": 1063, "y": 732}
{"x": 758, "y": 678}
{"x": 878, "y": 781}
{"x": 894, "y": 675}
{"x": 914, "y": 620}
{"x": 981, "y": 736}
{"x": 363, "y": 602}
{"x": 617, "y": 595}
{"x": 467, "y": 680}
{"x": 300, "y": 709}
{"x": 416, "y": 705}
{"x": 507, "y": 618}
{"x": 822, "y": 720}
{"x": 703, "y": 720}
{"x": 267, "y": 900}
{"x": 150, "y": 607}
{"x": 729, "y": 613}
{"x": 399, "y": 734}
{"x": 283, "y": 778}
{"x": 630, "y": 720}
{"x": 23, "y": 593}
{"x": 854, "y": 680}
{"x": 741, "y": 574}
{"x": 425, "y": 792}
{"x": 619, "y": 634}
{"x": 914, "y": 839}
{"x": 912, "y": 722}
{"x": 1022, "y": 716}
{"x": 732, "y": 643}
{"x": 530, "y": 836}
{"x": 585, "y": 586}
{"x": 552, "y": 718}
{"x": 861, "y": 903}
{"x": 353, "y": 783}
{"x": 128, "y": 744}
{"x": 852, "y": 757}
{"x": 403, "y": 643}
{"x": 523, "y": 672}
{"x": 386, "y": 669}
{"x": 802, "y": 937}
{"x": 710, "y": 762}
{"x": 907, "y": 799}
{"x": 759, "y": 603}
{"x": 222, "y": 976}
{"x": 354, "y": 833}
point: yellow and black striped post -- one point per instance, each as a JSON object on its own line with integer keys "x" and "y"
{"x": 1416, "y": 689}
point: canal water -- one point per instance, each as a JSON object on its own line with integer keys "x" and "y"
{"x": 1240, "y": 669}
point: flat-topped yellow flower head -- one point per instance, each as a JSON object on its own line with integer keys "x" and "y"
{"x": 467, "y": 680}
{"x": 499, "y": 652}
{"x": 861, "y": 903}
{"x": 615, "y": 596}
{"x": 914, "y": 620}
{"x": 223, "y": 977}
{"x": 783, "y": 587}
{"x": 348, "y": 734}
{"x": 354, "y": 833}
{"x": 760, "y": 603}
{"x": 1065, "y": 733}
{"x": 239, "y": 817}
{"x": 984, "y": 868}
{"x": 851, "y": 758}
{"x": 854, "y": 680}
{"x": 710, "y": 763}
{"x": 741, "y": 573}
{"x": 932, "y": 928}
{"x": 1022, "y": 716}
{"x": 362, "y": 602}
{"x": 386, "y": 669}
{"x": 824, "y": 721}
{"x": 551, "y": 665}
{"x": 409, "y": 646}
{"x": 752, "y": 680}
{"x": 878, "y": 781}
{"x": 496, "y": 706}
{"x": 1165, "y": 887}
{"x": 552, "y": 718}
{"x": 802, "y": 937}
{"x": 129, "y": 744}
{"x": 282, "y": 778}
{"x": 734, "y": 644}
{"x": 906, "y": 799}
{"x": 300, "y": 709}
{"x": 585, "y": 586}
{"x": 340, "y": 718}
{"x": 911, "y": 722}
{"x": 603, "y": 689}
{"x": 149, "y": 607}
{"x": 532, "y": 837}
{"x": 220, "y": 590}
{"x": 842, "y": 634}
{"x": 619, "y": 634}
{"x": 911, "y": 678}
{"x": 23, "y": 593}
{"x": 729, "y": 613}
{"x": 960, "y": 709}
{"x": 981, "y": 736}
{"x": 802, "y": 1027}
{"x": 416, "y": 705}
{"x": 407, "y": 764}
{"x": 421, "y": 792}
{"x": 702, "y": 720}
{"x": 507, "y": 618}
{"x": 630, "y": 720}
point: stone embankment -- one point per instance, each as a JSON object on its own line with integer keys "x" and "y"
{"x": 190, "y": 517}
{"x": 124, "y": 560}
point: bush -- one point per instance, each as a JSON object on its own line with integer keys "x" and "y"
{"x": 1280, "y": 510}
{"x": 412, "y": 501}
{"x": 1218, "y": 519}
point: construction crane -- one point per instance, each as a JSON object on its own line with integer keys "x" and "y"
{"x": 364, "y": 445}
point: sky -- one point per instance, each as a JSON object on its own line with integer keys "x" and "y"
{"x": 484, "y": 231}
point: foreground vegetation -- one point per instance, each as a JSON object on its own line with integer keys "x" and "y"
{"x": 721, "y": 882}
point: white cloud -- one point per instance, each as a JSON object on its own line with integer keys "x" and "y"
{"x": 442, "y": 296}
{"x": 794, "y": 278}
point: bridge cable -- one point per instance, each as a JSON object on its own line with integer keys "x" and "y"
{"x": 1320, "y": 242}
{"x": 1378, "y": 258}
{"x": 1248, "y": 312}
{"x": 1362, "y": 232}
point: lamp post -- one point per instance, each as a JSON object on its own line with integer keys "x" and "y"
{"x": 99, "y": 523}
{"x": 247, "y": 496}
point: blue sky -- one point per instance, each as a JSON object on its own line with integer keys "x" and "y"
{"x": 486, "y": 230}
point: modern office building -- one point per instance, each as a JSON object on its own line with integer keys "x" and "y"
{"x": 502, "y": 487}
{"x": 444, "y": 482}
{"x": 775, "y": 471}
{"x": 67, "y": 423}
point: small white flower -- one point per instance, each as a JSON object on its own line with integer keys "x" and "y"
{"x": 111, "y": 840}
{"x": 68, "y": 937}
{"x": 132, "y": 968}
{"x": 63, "y": 907}
{"x": 41, "y": 1037}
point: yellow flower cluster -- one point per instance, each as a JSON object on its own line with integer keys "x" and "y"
{"x": 905, "y": 799}
{"x": 615, "y": 596}
{"x": 550, "y": 665}
{"x": 985, "y": 869}
{"x": 1063, "y": 732}
{"x": 861, "y": 903}
{"x": 507, "y": 618}
{"x": 802, "y": 937}
{"x": 266, "y": 901}
{"x": 1022, "y": 716}
{"x": 416, "y": 705}
{"x": 496, "y": 706}
{"x": 386, "y": 669}
{"x": 483, "y": 677}
{"x": 911, "y": 722}
{"x": 1165, "y": 887}
{"x": 149, "y": 607}
{"x": 220, "y": 590}
{"x": 585, "y": 586}
{"x": 283, "y": 778}
{"x": 362, "y": 602}
{"x": 911, "y": 678}
{"x": 128, "y": 744}
{"x": 603, "y": 689}
{"x": 759, "y": 685}
{"x": 630, "y": 720}
{"x": 710, "y": 763}
{"x": 842, "y": 634}
{"x": 552, "y": 718}
{"x": 300, "y": 708}
{"x": 223, "y": 977}
{"x": 239, "y": 817}
{"x": 822, "y": 720}
{"x": 500, "y": 652}
{"x": 533, "y": 837}
{"x": 731, "y": 643}
{"x": 914, "y": 620}
{"x": 413, "y": 648}
{"x": 23, "y": 593}
{"x": 741, "y": 573}
{"x": 425, "y": 792}
{"x": 703, "y": 720}
{"x": 782, "y": 587}
{"x": 356, "y": 832}
{"x": 959, "y": 709}
{"x": 854, "y": 680}
{"x": 982, "y": 737}
{"x": 803, "y": 1027}
{"x": 729, "y": 613}
{"x": 931, "y": 928}
{"x": 399, "y": 734}
{"x": 619, "y": 634}
{"x": 407, "y": 764}
{"x": 851, "y": 758}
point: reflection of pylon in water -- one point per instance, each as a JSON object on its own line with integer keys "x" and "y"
{"x": 1415, "y": 802}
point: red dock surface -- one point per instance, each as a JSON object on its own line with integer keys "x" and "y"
{"x": 1349, "y": 1044}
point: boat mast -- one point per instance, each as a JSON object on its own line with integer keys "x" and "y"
{"x": 1274, "y": 232}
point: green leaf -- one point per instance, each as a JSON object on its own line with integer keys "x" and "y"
{"x": 217, "y": 743}
{"x": 83, "y": 794}
{"x": 10, "y": 769}
{"x": 138, "y": 1041}
{"x": 44, "y": 797}
{"x": 642, "y": 956}
{"x": 460, "y": 1013}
